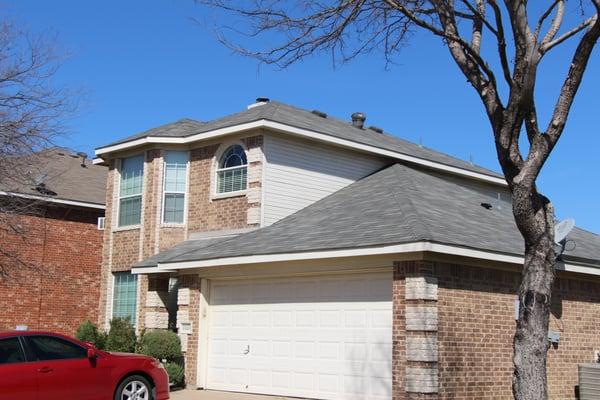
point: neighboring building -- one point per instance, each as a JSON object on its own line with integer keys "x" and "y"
{"x": 318, "y": 258}
{"x": 52, "y": 257}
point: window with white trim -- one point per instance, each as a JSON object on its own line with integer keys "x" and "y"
{"x": 232, "y": 170}
{"x": 125, "y": 296}
{"x": 130, "y": 190}
{"x": 174, "y": 186}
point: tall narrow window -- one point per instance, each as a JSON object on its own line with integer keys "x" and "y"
{"x": 130, "y": 192}
{"x": 125, "y": 296}
{"x": 233, "y": 170}
{"x": 174, "y": 186}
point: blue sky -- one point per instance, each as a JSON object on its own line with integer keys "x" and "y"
{"x": 144, "y": 63}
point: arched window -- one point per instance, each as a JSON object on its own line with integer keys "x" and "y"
{"x": 232, "y": 170}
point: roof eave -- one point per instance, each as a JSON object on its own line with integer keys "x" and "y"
{"x": 76, "y": 203}
{"x": 413, "y": 247}
{"x": 300, "y": 132}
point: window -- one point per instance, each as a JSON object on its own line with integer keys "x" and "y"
{"x": 53, "y": 348}
{"x": 125, "y": 296}
{"x": 10, "y": 351}
{"x": 130, "y": 191}
{"x": 232, "y": 171}
{"x": 174, "y": 186}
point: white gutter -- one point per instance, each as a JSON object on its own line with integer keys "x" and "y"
{"x": 52, "y": 200}
{"x": 369, "y": 251}
{"x": 305, "y": 133}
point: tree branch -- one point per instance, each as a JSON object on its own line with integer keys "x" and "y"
{"x": 545, "y": 47}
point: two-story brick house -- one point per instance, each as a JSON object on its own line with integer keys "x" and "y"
{"x": 319, "y": 258}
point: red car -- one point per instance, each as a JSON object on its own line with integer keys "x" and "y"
{"x": 48, "y": 366}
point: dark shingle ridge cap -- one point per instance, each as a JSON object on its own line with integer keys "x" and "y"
{"x": 417, "y": 226}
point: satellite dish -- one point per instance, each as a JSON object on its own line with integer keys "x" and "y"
{"x": 562, "y": 229}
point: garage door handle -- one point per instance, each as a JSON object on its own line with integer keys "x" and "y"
{"x": 45, "y": 370}
{"x": 247, "y": 349}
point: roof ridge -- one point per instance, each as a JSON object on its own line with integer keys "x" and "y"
{"x": 424, "y": 233}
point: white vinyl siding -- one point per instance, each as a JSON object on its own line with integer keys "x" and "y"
{"x": 299, "y": 173}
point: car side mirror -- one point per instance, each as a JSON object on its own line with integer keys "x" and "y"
{"x": 91, "y": 354}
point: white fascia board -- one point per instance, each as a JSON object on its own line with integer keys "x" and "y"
{"x": 305, "y": 133}
{"x": 149, "y": 270}
{"x": 369, "y": 251}
{"x": 52, "y": 200}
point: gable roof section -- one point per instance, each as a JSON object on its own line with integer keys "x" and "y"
{"x": 180, "y": 128}
{"x": 397, "y": 205}
{"x": 298, "y": 118}
{"x": 63, "y": 175}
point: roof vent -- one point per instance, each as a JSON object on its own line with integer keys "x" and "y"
{"x": 376, "y": 129}
{"x": 259, "y": 102}
{"x": 83, "y": 157}
{"x": 358, "y": 120}
{"x": 319, "y": 113}
{"x": 487, "y": 206}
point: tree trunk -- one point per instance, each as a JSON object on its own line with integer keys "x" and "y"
{"x": 531, "y": 337}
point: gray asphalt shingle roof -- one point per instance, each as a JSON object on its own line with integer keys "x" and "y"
{"x": 300, "y": 118}
{"x": 62, "y": 172}
{"x": 396, "y": 205}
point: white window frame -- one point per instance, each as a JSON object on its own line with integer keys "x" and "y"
{"x": 185, "y": 192}
{"x": 141, "y": 195}
{"x": 218, "y": 156}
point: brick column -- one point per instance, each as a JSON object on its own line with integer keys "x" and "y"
{"x": 156, "y": 314}
{"x": 421, "y": 326}
{"x": 188, "y": 313}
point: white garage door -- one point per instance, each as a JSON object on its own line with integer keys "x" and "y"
{"x": 318, "y": 337}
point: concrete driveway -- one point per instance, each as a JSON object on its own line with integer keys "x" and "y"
{"x": 214, "y": 395}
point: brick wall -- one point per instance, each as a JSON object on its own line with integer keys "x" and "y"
{"x": 189, "y": 311}
{"x": 60, "y": 287}
{"x": 205, "y": 212}
{"x": 475, "y": 330}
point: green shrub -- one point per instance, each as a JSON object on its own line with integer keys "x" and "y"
{"x": 160, "y": 344}
{"x": 121, "y": 336}
{"x": 88, "y": 332}
{"x": 176, "y": 374}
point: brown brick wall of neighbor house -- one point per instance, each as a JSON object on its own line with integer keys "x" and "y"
{"x": 476, "y": 327}
{"x": 61, "y": 290}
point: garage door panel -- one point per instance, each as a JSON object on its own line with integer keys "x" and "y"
{"x": 319, "y": 337}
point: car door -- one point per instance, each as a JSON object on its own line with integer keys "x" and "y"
{"x": 17, "y": 376}
{"x": 64, "y": 370}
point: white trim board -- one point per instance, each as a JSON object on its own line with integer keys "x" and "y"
{"x": 390, "y": 249}
{"x": 53, "y": 200}
{"x": 280, "y": 127}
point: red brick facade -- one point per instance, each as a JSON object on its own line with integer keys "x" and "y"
{"x": 59, "y": 289}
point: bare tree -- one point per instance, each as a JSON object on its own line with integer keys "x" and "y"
{"x": 32, "y": 112}
{"x": 519, "y": 35}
